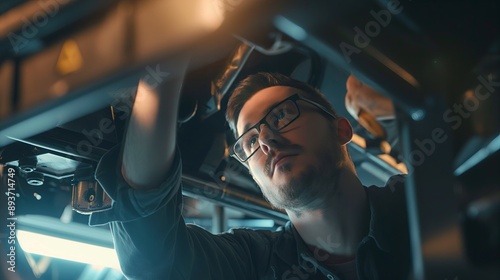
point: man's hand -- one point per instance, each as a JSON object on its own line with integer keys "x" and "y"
{"x": 361, "y": 98}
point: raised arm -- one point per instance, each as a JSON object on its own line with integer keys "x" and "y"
{"x": 149, "y": 145}
{"x": 151, "y": 238}
{"x": 144, "y": 179}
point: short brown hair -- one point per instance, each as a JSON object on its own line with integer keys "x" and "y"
{"x": 257, "y": 82}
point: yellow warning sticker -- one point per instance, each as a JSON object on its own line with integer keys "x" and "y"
{"x": 70, "y": 58}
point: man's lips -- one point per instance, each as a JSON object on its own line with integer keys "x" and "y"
{"x": 277, "y": 159}
{"x": 276, "y": 155}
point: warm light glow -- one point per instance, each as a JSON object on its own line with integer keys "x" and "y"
{"x": 211, "y": 13}
{"x": 446, "y": 244}
{"x": 55, "y": 247}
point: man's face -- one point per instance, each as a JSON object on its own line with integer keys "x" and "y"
{"x": 297, "y": 167}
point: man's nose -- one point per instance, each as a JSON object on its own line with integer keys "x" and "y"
{"x": 352, "y": 82}
{"x": 268, "y": 139}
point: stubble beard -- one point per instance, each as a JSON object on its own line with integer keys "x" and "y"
{"x": 312, "y": 188}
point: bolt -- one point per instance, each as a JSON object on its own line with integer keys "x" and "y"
{"x": 27, "y": 169}
{"x": 35, "y": 182}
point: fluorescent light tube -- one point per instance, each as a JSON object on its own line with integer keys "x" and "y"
{"x": 55, "y": 247}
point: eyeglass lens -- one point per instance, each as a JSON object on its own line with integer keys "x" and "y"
{"x": 279, "y": 117}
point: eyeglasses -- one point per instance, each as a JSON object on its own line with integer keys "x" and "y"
{"x": 278, "y": 117}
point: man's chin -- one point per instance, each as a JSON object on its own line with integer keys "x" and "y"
{"x": 305, "y": 191}
{"x": 290, "y": 195}
{"x": 283, "y": 195}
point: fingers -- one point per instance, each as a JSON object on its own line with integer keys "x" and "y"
{"x": 351, "y": 106}
{"x": 359, "y": 97}
{"x": 351, "y": 103}
{"x": 353, "y": 83}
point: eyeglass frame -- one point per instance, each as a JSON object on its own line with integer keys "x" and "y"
{"x": 294, "y": 98}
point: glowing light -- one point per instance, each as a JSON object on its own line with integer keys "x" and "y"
{"x": 211, "y": 14}
{"x": 55, "y": 247}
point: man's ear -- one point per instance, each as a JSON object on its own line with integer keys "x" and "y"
{"x": 344, "y": 131}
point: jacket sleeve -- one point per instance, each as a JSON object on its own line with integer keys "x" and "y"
{"x": 152, "y": 240}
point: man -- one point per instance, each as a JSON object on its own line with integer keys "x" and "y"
{"x": 294, "y": 145}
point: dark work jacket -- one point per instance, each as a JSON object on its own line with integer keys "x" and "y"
{"x": 153, "y": 242}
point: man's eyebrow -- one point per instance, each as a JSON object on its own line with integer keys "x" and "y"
{"x": 246, "y": 128}
{"x": 268, "y": 109}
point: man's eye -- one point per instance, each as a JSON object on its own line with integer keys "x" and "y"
{"x": 279, "y": 117}
{"x": 250, "y": 142}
